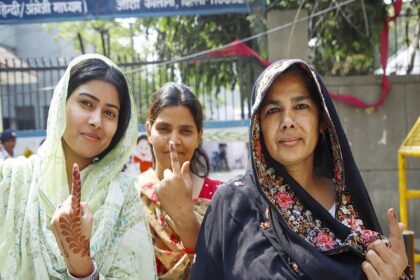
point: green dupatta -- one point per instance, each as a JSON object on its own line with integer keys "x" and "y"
{"x": 31, "y": 189}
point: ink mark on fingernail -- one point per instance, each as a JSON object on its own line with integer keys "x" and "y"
{"x": 394, "y": 214}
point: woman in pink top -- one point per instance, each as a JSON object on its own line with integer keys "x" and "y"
{"x": 176, "y": 191}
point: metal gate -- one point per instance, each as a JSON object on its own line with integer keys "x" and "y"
{"x": 26, "y": 86}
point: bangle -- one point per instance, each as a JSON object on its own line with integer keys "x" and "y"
{"x": 93, "y": 276}
{"x": 189, "y": 250}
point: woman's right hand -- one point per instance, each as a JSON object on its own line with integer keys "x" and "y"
{"x": 175, "y": 197}
{"x": 387, "y": 262}
{"x": 72, "y": 225}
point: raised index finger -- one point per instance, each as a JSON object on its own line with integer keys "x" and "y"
{"x": 76, "y": 189}
{"x": 176, "y": 168}
{"x": 395, "y": 236}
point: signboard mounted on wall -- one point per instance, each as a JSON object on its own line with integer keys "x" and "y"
{"x": 28, "y": 11}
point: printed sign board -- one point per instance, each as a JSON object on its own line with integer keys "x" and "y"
{"x": 27, "y": 11}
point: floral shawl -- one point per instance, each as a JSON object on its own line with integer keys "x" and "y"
{"x": 31, "y": 189}
{"x": 172, "y": 261}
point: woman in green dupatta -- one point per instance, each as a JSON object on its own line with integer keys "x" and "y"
{"x": 92, "y": 125}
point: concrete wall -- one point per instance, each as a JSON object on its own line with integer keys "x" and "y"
{"x": 33, "y": 41}
{"x": 8, "y": 36}
{"x": 290, "y": 42}
{"x": 375, "y": 138}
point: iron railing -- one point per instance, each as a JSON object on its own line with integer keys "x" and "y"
{"x": 27, "y": 86}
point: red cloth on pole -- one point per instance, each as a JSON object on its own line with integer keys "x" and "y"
{"x": 386, "y": 83}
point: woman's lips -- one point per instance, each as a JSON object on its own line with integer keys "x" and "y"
{"x": 289, "y": 141}
{"x": 91, "y": 136}
{"x": 179, "y": 153}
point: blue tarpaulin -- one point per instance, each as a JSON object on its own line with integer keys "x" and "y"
{"x": 27, "y": 11}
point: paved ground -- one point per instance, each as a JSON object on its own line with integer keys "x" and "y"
{"x": 224, "y": 176}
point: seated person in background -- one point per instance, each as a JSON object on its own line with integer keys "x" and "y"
{"x": 301, "y": 210}
{"x": 177, "y": 190}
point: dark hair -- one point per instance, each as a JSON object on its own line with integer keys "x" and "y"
{"x": 308, "y": 82}
{"x": 322, "y": 154}
{"x": 142, "y": 137}
{"x": 96, "y": 69}
{"x": 172, "y": 94}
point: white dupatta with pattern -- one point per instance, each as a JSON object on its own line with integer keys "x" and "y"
{"x": 31, "y": 189}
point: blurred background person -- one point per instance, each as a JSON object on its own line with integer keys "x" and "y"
{"x": 8, "y": 141}
{"x": 143, "y": 154}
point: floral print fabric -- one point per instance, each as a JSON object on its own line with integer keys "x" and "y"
{"x": 171, "y": 259}
{"x": 301, "y": 219}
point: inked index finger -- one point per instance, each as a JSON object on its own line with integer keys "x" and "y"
{"x": 176, "y": 168}
{"x": 76, "y": 189}
{"x": 395, "y": 236}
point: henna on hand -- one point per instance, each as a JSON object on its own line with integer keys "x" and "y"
{"x": 71, "y": 224}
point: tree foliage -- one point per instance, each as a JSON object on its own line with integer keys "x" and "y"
{"x": 184, "y": 35}
{"x": 97, "y": 35}
{"x": 344, "y": 41}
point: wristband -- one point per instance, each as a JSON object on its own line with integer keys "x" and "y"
{"x": 93, "y": 276}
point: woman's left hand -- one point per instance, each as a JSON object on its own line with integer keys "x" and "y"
{"x": 72, "y": 225}
{"x": 387, "y": 262}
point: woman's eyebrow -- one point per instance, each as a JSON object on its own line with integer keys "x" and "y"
{"x": 270, "y": 102}
{"x": 278, "y": 102}
{"x": 162, "y": 123}
{"x": 97, "y": 100}
{"x": 301, "y": 98}
{"x": 187, "y": 126}
{"x": 89, "y": 95}
{"x": 113, "y": 106}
